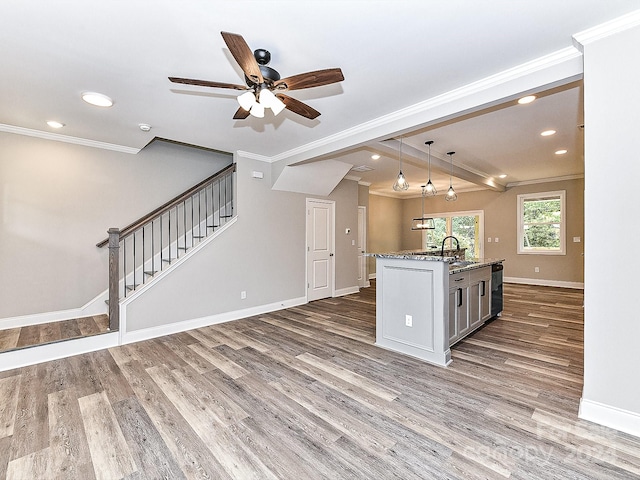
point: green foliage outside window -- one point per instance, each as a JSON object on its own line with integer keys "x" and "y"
{"x": 541, "y": 223}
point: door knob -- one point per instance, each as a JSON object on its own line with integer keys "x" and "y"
{"x": 331, "y": 254}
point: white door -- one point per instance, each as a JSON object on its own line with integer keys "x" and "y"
{"x": 320, "y": 249}
{"x": 363, "y": 278}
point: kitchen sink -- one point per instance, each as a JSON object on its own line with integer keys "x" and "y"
{"x": 460, "y": 264}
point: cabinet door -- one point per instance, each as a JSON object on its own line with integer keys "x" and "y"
{"x": 453, "y": 324}
{"x": 485, "y": 299}
{"x": 475, "y": 299}
{"x": 462, "y": 311}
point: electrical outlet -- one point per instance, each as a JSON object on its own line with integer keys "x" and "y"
{"x": 576, "y": 239}
{"x": 496, "y": 240}
{"x": 408, "y": 320}
{"x": 536, "y": 269}
{"x": 243, "y": 295}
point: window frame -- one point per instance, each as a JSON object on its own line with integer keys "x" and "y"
{"x": 466, "y": 213}
{"x": 559, "y": 194}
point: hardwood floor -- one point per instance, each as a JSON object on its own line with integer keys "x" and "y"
{"x": 304, "y": 394}
{"x": 21, "y": 337}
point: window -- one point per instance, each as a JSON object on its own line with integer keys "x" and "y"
{"x": 465, "y": 226}
{"x": 541, "y": 223}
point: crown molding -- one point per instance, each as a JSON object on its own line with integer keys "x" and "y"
{"x": 56, "y": 137}
{"x": 352, "y": 177}
{"x": 254, "y": 156}
{"x": 606, "y": 29}
{"x": 545, "y": 180}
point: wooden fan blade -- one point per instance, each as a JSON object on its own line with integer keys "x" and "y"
{"x": 207, "y": 83}
{"x": 241, "y": 114}
{"x": 296, "y": 106}
{"x": 243, "y": 55}
{"x": 310, "y": 79}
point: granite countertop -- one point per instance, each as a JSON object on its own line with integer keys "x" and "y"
{"x": 428, "y": 257}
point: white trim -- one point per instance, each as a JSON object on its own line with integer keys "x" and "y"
{"x": 544, "y": 282}
{"x": 606, "y": 29}
{"x": 97, "y": 306}
{"x": 56, "y": 137}
{"x": 372, "y": 276}
{"x": 462, "y": 213}
{"x": 346, "y": 291}
{"x": 612, "y": 417}
{"x": 352, "y": 177}
{"x": 171, "y": 328}
{"x": 54, "y": 351}
{"x": 254, "y": 156}
{"x": 562, "y": 250}
{"x": 546, "y": 180}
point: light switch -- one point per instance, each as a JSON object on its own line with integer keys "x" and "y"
{"x": 496, "y": 240}
{"x": 489, "y": 240}
{"x": 353, "y": 242}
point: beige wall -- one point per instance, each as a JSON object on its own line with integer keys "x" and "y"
{"x": 500, "y": 220}
{"x": 385, "y": 223}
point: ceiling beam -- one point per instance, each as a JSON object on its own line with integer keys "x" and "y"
{"x": 418, "y": 157}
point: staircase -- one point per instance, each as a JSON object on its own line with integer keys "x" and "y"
{"x": 143, "y": 250}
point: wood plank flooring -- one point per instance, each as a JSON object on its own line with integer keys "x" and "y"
{"x": 29, "y": 336}
{"x": 304, "y": 394}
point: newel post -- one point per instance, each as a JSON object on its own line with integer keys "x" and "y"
{"x": 114, "y": 276}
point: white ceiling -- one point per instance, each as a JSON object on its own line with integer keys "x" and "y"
{"x": 394, "y": 54}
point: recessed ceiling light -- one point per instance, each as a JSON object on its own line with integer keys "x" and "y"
{"x": 375, "y": 156}
{"x": 502, "y": 176}
{"x": 527, "y": 99}
{"x": 54, "y": 124}
{"x": 546, "y": 133}
{"x": 97, "y": 99}
{"x": 145, "y": 127}
{"x": 561, "y": 152}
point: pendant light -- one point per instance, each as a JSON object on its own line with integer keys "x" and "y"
{"x": 423, "y": 223}
{"x": 451, "y": 194}
{"x": 429, "y": 190}
{"x": 401, "y": 183}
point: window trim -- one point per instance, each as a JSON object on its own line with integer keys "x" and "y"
{"x": 562, "y": 250}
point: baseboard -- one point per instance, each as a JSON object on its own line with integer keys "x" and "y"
{"x": 55, "y": 351}
{"x": 544, "y": 283}
{"x": 97, "y": 306}
{"x": 608, "y": 416}
{"x": 346, "y": 291}
{"x": 159, "y": 331}
{"x": 372, "y": 276}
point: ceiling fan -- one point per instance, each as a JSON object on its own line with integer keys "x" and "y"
{"x": 264, "y": 87}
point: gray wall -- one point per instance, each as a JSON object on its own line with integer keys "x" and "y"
{"x": 59, "y": 199}
{"x": 263, "y": 253}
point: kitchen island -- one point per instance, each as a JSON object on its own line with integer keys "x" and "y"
{"x": 426, "y": 303}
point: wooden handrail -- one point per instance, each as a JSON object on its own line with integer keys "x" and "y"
{"x": 141, "y": 221}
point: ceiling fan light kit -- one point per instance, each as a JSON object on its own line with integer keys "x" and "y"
{"x": 262, "y": 81}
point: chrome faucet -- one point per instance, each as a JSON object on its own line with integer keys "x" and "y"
{"x": 445, "y": 239}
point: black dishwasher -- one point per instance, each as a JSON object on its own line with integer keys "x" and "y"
{"x": 496, "y": 289}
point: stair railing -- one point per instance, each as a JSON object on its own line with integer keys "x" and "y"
{"x": 150, "y": 244}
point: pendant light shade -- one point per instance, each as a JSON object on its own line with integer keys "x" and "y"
{"x": 401, "y": 183}
{"x": 423, "y": 223}
{"x": 429, "y": 190}
{"x": 451, "y": 194}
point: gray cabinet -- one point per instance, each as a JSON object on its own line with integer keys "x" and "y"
{"x": 469, "y": 302}
{"x": 458, "y": 306}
